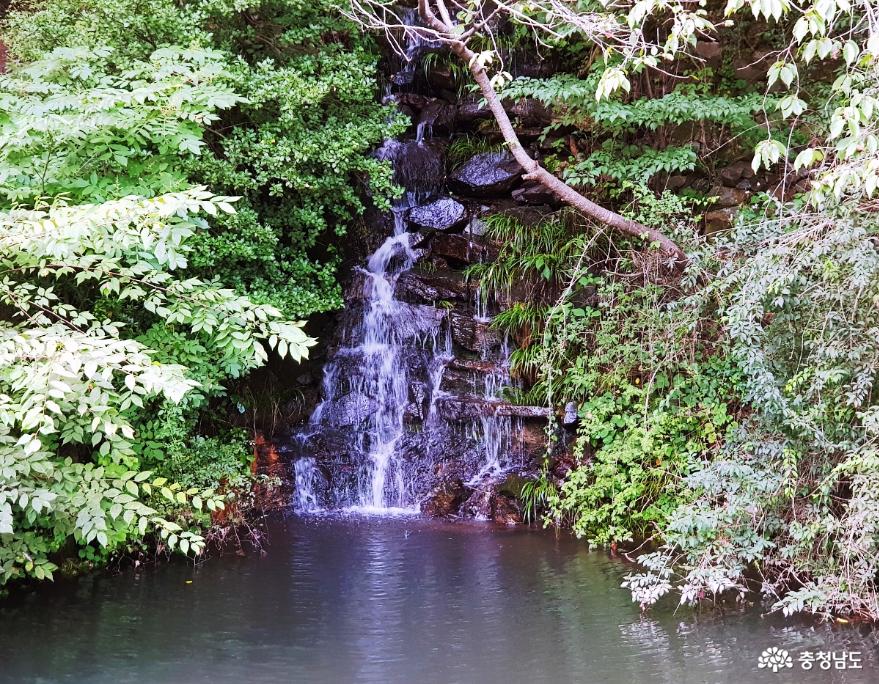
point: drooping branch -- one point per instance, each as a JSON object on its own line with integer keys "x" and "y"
{"x": 533, "y": 170}
{"x": 437, "y": 25}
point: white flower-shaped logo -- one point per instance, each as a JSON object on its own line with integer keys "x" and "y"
{"x": 775, "y": 659}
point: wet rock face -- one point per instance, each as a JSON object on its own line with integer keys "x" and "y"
{"x": 412, "y": 411}
{"x": 462, "y": 376}
{"x": 461, "y": 409}
{"x": 505, "y": 509}
{"x": 457, "y": 248}
{"x": 444, "y": 500}
{"x": 472, "y": 335}
{"x": 489, "y": 174}
{"x": 430, "y": 289}
{"x": 445, "y": 214}
{"x": 418, "y": 166}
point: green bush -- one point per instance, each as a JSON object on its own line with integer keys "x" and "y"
{"x": 107, "y": 348}
{"x": 295, "y": 147}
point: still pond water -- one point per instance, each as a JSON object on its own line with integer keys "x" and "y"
{"x": 396, "y": 600}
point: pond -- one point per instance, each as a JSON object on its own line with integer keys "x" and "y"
{"x": 358, "y": 599}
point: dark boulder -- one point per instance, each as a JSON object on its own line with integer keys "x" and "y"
{"x": 457, "y": 382}
{"x": 444, "y": 214}
{"x": 472, "y": 335}
{"x": 505, "y": 509}
{"x": 466, "y": 376}
{"x": 486, "y": 175}
{"x": 444, "y": 500}
{"x": 711, "y": 52}
{"x": 732, "y": 174}
{"x": 432, "y": 287}
{"x": 457, "y": 248}
{"x": 676, "y": 182}
{"x": 359, "y": 288}
{"x": 418, "y": 166}
{"x": 530, "y": 112}
{"x": 728, "y": 197}
{"x": 533, "y": 193}
{"x": 720, "y": 219}
{"x": 471, "y": 110}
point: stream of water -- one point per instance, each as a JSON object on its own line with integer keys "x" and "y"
{"x": 397, "y": 600}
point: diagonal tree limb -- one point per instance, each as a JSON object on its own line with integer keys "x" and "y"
{"x": 533, "y": 170}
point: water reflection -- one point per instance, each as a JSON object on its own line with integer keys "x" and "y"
{"x": 361, "y": 600}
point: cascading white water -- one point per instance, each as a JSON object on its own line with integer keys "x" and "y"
{"x": 372, "y": 374}
{"x": 386, "y": 379}
{"x": 424, "y": 128}
{"x": 392, "y": 362}
{"x": 494, "y": 432}
{"x": 381, "y": 437}
{"x": 305, "y": 499}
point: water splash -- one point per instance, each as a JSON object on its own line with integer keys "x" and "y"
{"x": 307, "y": 477}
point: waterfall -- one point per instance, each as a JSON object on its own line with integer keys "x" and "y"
{"x": 372, "y": 374}
{"x": 493, "y": 431}
{"x": 306, "y": 477}
{"x": 411, "y": 402}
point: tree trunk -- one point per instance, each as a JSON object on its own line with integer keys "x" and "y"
{"x": 533, "y": 170}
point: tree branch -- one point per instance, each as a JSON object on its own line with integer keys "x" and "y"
{"x": 533, "y": 170}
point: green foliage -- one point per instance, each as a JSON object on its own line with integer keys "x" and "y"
{"x": 796, "y": 491}
{"x": 109, "y": 352}
{"x": 532, "y": 257}
{"x": 629, "y": 165}
{"x": 654, "y": 394}
{"x": 624, "y": 147}
{"x": 535, "y": 495}
{"x": 213, "y": 463}
{"x": 73, "y": 386}
{"x": 74, "y": 125}
{"x": 575, "y": 99}
{"x": 645, "y": 441}
{"x": 294, "y": 148}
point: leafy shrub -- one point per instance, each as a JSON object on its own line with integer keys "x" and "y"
{"x": 72, "y": 383}
{"x": 795, "y": 494}
{"x": 295, "y": 148}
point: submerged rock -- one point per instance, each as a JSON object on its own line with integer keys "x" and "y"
{"x": 486, "y": 175}
{"x": 444, "y": 214}
{"x": 505, "y": 510}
